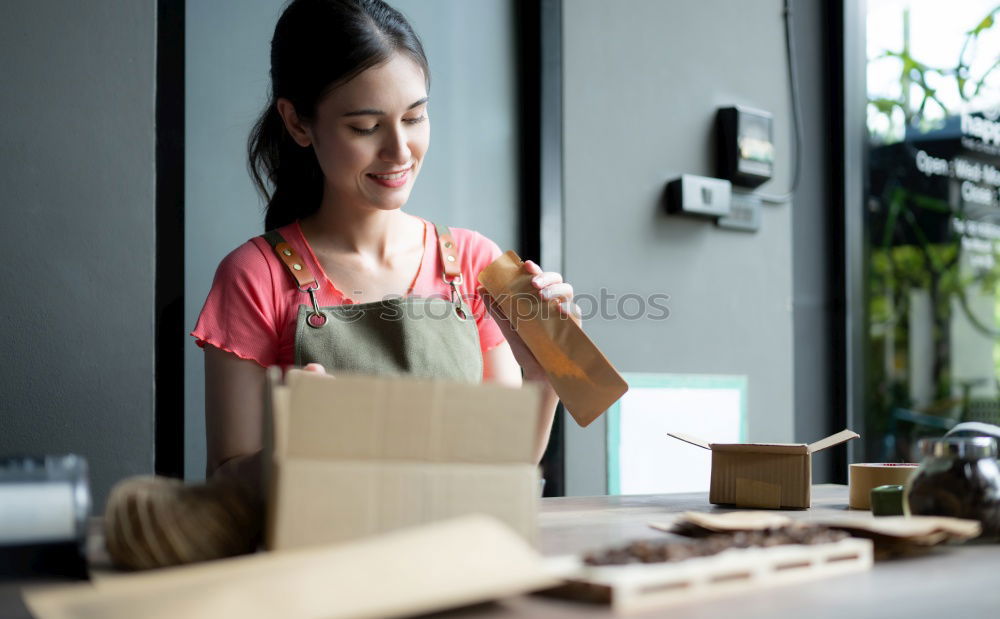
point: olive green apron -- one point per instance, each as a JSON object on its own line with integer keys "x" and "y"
{"x": 424, "y": 337}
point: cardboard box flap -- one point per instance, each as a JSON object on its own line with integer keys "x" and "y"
{"x": 744, "y": 447}
{"x": 762, "y": 448}
{"x": 349, "y": 417}
{"x": 409, "y": 572}
{"x": 697, "y": 442}
{"x": 776, "y": 448}
{"x": 835, "y": 439}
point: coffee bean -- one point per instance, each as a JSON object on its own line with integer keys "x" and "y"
{"x": 650, "y": 551}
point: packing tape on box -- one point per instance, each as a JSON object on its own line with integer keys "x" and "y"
{"x": 866, "y": 476}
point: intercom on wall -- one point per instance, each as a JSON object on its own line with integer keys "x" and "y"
{"x": 744, "y": 145}
{"x": 699, "y": 195}
{"x": 744, "y": 159}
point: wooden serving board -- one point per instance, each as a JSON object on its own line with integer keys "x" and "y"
{"x": 646, "y": 586}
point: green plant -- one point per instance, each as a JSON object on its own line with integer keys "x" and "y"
{"x": 904, "y": 260}
{"x": 913, "y": 73}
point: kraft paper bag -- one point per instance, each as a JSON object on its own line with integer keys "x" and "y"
{"x": 581, "y": 375}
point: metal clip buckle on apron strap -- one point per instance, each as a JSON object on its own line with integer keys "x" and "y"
{"x": 307, "y": 282}
{"x": 304, "y": 278}
{"x": 452, "y": 272}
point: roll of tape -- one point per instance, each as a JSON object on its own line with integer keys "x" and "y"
{"x": 866, "y": 476}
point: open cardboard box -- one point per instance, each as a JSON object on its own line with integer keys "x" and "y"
{"x": 392, "y": 461}
{"x": 352, "y": 456}
{"x": 763, "y": 475}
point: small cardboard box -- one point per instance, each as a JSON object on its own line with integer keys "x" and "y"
{"x": 763, "y": 475}
{"x": 352, "y": 456}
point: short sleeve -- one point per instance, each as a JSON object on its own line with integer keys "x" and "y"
{"x": 240, "y": 314}
{"x": 482, "y": 252}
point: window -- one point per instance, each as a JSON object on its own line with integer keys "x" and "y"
{"x": 932, "y": 354}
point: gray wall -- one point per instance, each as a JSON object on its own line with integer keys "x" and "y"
{"x": 468, "y": 180}
{"x": 813, "y": 245}
{"x": 642, "y": 81}
{"x": 77, "y": 262}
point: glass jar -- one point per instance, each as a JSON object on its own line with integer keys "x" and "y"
{"x": 958, "y": 477}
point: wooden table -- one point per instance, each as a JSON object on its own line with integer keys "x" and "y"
{"x": 953, "y": 583}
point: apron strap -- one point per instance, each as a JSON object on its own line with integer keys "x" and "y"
{"x": 452, "y": 270}
{"x": 305, "y": 279}
{"x": 292, "y": 260}
{"x": 449, "y": 255}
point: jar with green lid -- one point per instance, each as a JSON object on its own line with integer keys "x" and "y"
{"x": 958, "y": 477}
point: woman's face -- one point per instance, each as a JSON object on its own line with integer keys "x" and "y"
{"x": 370, "y": 135}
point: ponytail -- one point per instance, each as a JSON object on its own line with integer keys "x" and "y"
{"x": 292, "y": 170}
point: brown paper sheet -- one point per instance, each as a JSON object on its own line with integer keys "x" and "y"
{"x": 732, "y": 521}
{"x": 918, "y": 530}
{"x": 581, "y": 375}
{"x": 923, "y": 530}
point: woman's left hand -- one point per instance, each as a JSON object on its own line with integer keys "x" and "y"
{"x": 551, "y": 287}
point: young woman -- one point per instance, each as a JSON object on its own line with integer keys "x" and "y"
{"x": 345, "y": 280}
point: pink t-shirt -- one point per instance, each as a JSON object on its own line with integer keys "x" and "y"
{"x": 253, "y": 304}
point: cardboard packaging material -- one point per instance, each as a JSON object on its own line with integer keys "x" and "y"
{"x": 408, "y": 572}
{"x": 891, "y": 536}
{"x": 584, "y": 379}
{"x": 921, "y": 530}
{"x": 352, "y": 456}
{"x": 763, "y": 475}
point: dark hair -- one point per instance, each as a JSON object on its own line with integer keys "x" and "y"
{"x": 317, "y": 45}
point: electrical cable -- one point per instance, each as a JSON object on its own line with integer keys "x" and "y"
{"x": 796, "y": 116}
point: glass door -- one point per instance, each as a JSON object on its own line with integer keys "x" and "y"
{"x": 932, "y": 343}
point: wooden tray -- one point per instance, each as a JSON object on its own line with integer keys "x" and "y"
{"x": 644, "y": 586}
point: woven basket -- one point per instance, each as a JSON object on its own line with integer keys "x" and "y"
{"x": 155, "y": 522}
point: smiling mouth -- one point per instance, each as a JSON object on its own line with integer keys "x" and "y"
{"x": 391, "y": 176}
